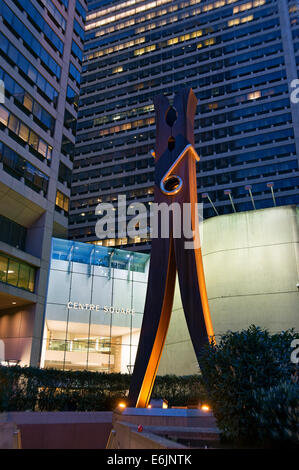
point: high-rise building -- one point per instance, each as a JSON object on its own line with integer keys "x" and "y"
{"x": 41, "y": 51}
{"x": 239, "y": 57}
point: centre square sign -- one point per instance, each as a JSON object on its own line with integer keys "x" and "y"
{"x": 97, "y": 308}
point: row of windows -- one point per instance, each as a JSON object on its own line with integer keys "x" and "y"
{"x": 30, "y": 73}
{"x": 220, "y": 39}
{"x": 247, "y": 206}
{"x": 105, "y": 119}
{"x": 12, "y": 233}
{"x": 22, "y": 96}
{"x": 65, "y": 174}
{"x": 206, "y": 55}
{"x": 62, "y": 201}
{"x": 202, "y": 94}
{"x": 74, "y": 73}
{"x": 20, "y": 30}
{"x": 238, "y": 129}
{"x": 243, "y": 98}
{"x": 248, "y": 174}
{"x": 181, "y": 75}
{"x": 182, "y": 25}
{"x": 72, "y": 97}
{"x": 77, "y": 51}
{"x": 79, "y": 30}
{"x": 212, "y": 134}
{"x": 203, "y": 166}
{"x": 246, "y": 157}
{"x": 224, "y": 208}
{"x": 187, "y": 12}
{"x": 115, "y": 183}
{"x": 205, "y": 150}
{"x": 283, "y": 184}
{"x": 249, "y": 111}
{"x": 246, "y": 142}
{"x": 202, "y": 108}
{"x": 123, "y": 153}
{"x": 225, "y": 177}
{"x": 115, "y": 169}
{"x": 80, "y": 10}
{"x": 19, "y": 168}
{"x": 41, "y": 25}
{"x": 16, "y": 273}
{"x": 140, "y": 193}
{"x": 187, "y": 63}
{"x": 175, "y": 40}
{"x": 122, "y": 5}
{"x": 161, "y": 25}
{"x": 67, "y": 148}
{"x": 134, "y": 13}
{"x": 27, "y": 135}
{"x": 238, "y": 192}
{"x": 70, "y": 121}
{"x": 56, "y": 14}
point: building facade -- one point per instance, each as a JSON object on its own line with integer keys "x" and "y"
{"x": 240, "y": 58}
{"x": 41, "y": 45}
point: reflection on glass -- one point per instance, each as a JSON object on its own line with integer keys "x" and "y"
{"x": 98, "y": 255}
{"x": 3, "y": 268}
{"x": 17, "y": 273}
{"x": 13, "y": 273}
{"x": 24, "y": 275}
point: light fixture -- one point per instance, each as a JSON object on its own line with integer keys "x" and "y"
{"x": 205, "y": 408}
{"x": 14, "y": 303}
{"x": 271, "y": 185}
{"x": 122, "y": 405}
{"x": 206, "y": 196}
{"x": 158, "y": 403}
{"x": 248, "y": 188}
{"x": 228, "y": 193}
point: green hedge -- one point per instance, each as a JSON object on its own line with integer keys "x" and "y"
{"x": 237, "y": 375}
{"x": 29, "y": 388}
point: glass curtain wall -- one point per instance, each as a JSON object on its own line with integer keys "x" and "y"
{"x": 94, "y": 307}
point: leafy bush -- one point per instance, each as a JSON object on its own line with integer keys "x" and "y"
{"x": 277, "y": 412}
{"x": 29, "y": 388}
{"x": 236, "y": 369}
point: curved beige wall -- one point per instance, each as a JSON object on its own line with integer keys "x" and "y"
{"x": 251, "y": 262}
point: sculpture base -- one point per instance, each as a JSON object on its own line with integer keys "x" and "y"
{"x": 158, "y": 428}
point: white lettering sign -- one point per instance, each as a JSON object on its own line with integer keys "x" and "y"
{"x": 97, "y": 308}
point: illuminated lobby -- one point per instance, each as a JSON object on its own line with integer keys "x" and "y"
{"x": 94, "y": 307}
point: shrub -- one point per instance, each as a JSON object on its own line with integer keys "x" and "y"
{"x": 29, "y": 388}
{"x": 239, "y": 366}
{"x": 277, "y": 412}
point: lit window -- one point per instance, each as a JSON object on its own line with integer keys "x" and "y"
{"x": 254, "y": 96}
{"x": 4, "y": 115}
{"x": 62, "y": 201}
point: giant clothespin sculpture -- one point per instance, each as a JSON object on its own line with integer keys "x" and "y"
{"x": 175, "y": 181}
